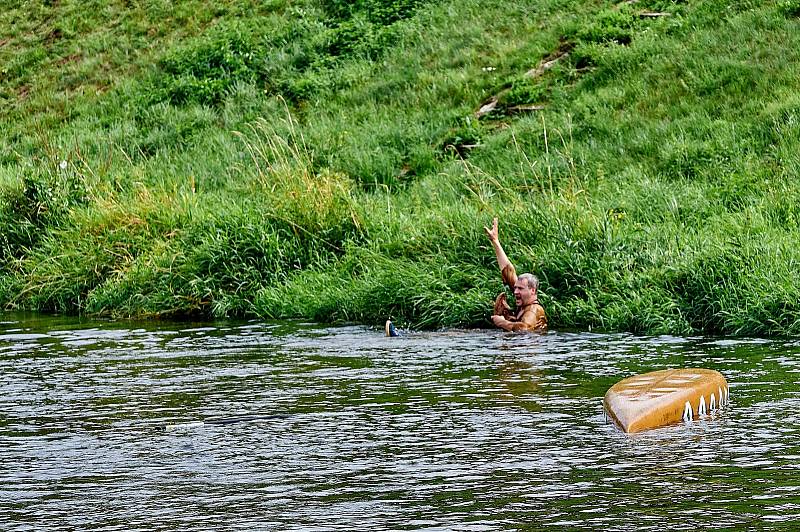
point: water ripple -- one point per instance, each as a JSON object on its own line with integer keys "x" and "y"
{"x": 300, "y": 427}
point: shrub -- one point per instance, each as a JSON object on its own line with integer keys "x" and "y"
{"x": 790, "y": 8}
{"x": 526, "y": 91}
{"x": 608, "y": 26}
{"x": 205, "y": 70}
{"x": 381, "y": 12}
{"x": 40, "y": 199}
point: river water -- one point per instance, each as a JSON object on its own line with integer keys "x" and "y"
{"x": 306, "y": 427}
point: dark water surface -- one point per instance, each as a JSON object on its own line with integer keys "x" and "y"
{"x": 344, "y": 429}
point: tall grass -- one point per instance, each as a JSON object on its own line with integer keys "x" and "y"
{"x": 325, "y": 161}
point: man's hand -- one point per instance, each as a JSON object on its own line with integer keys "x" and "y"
{"x": 510, "y": 326}
{"x": 503, "y": 323}
{"x": 492, "y": 233}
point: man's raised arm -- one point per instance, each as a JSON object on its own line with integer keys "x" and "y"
{"x": 494, "y": 238}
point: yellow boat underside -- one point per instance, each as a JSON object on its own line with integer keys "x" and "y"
{"x": 665, "y": 397}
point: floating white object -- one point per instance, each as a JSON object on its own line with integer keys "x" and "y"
{"x": 664, "y": 397}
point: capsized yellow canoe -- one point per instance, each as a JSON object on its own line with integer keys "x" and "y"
{"x": 665, "y": 397}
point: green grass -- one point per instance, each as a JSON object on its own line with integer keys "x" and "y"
{"x": 324, "y": 160}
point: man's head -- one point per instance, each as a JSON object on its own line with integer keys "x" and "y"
{"x": 525, "y": 289}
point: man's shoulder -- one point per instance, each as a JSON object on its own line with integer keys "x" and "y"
{"x": 534, "y": 316}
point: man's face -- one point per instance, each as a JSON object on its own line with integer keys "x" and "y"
{"x": 522, "y": 293}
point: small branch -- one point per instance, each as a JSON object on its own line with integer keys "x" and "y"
{"x": 650, "y": 14}
{"x": 545, "y": 65}
{"x": 489, "y": 106}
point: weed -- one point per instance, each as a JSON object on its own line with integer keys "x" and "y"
{"x": 608, "y": 26}
{"x": 790, "y": 8}
{"x": 205, "y": 71}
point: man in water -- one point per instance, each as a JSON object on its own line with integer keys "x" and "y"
{"x": 530, "y": 314}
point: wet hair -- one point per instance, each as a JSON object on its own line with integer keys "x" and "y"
{"x": 532, "y": 280}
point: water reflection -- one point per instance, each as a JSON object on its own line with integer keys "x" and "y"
{"x": 337, "y": 427}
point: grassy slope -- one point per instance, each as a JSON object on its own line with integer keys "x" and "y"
{"x": 304, "y": 159}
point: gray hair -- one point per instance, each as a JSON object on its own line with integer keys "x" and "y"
{"x": 532, "y": 280}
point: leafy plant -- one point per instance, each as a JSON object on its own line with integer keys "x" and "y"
{"x": 790, "y": 8}
{"x": 205, "y": 71}
{"x": 612, "y": 25}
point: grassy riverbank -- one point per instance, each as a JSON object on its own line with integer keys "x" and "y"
{"x": 328, "y": 161}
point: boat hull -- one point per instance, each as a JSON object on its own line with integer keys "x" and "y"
{"x": 665, "y": 397}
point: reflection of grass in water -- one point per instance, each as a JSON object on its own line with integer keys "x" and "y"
{"x": 519, "y": 378}
{"x": 352, "y": 362}
{"x": 656, "y": 192}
